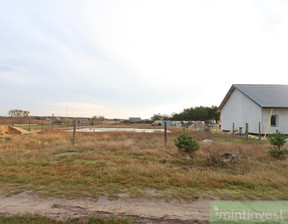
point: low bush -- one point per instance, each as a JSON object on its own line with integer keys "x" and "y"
{"x": 186, "y": 143}
{"x": 278, "y": 140}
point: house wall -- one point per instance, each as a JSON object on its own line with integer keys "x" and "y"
{"x": 240, "y": 110}
{"x": 282, "y": 125}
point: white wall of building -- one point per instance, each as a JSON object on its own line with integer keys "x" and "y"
{"x": 282, "y": 124}
{"x": 240, "y": 109}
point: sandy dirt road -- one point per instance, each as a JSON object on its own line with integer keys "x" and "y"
{"x": 142, "y": 210}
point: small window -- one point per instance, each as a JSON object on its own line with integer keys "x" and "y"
{"x": 274, "y": 120}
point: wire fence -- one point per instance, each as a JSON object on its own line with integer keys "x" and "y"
{"x": 31, "y": 125}
{"x": 42, "y": 123}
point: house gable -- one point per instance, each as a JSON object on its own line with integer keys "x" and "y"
{"x": 266, "y": 96}
{"x": 252, "y": 104}
{"x": 239, "y": 109}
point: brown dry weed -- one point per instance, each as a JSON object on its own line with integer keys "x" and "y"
{"x": 123, "y": 162}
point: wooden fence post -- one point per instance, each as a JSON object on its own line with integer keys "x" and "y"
{"x": 74, "y": 132}
{"x": 259, "y": 129}
{"x": 165, "y": 133}
{"x": 233, "y": 129}
{"x": 246, "y": 131}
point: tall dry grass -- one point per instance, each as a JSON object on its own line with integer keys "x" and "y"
{"x": 122, "y": 162}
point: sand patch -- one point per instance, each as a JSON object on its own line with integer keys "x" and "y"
{"x": 142, "y": 209}
{"x": 10, "y": 130}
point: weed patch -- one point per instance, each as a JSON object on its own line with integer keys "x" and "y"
{"x": 115, "y": 163}
{"x": 34, "y": 219}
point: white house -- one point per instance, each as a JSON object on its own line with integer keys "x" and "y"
{"x": 261, "y": 106}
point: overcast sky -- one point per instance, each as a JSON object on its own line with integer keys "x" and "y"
{"x": 127, "y": 58}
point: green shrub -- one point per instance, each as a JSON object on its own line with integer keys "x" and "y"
{"x": 277, "y": 140}
{"x": 186, "y": 143}
{"x": 276, "y": 152}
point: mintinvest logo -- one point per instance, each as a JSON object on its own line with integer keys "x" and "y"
{"x": 248, "y": 212}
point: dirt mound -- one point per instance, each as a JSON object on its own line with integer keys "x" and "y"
{"x": 9, "y": 130}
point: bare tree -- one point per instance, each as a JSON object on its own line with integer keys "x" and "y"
{"x": 18, "y": 113}
{"x": 97, "y": 120}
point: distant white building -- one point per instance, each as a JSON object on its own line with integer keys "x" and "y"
{"x": 134, "y": 119}
{"x": 267, "y": 104}
{"x": 168, "y": 123}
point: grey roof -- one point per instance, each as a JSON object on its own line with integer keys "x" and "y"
{"x": 266, "y": 96}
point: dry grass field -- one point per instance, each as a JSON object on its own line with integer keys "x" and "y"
{"x": 139, "y": 165}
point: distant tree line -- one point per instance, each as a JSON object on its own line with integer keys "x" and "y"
{"x": 199, "y": 113}
{"x": 18, "y": 113}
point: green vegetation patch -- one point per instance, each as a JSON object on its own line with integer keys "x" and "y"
{"x": 37, "y": 219}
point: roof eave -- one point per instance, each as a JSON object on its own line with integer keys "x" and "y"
{"x": 278, "y": 107}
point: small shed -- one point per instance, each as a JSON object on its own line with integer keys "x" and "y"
{"x": 263, "y": 107}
